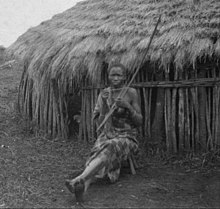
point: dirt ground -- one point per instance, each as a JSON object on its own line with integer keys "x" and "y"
{"x": 33, "y": 169}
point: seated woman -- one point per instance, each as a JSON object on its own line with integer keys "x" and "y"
{"x": 117, "y": 139}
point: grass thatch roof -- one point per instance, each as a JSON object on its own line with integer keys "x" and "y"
{"x": 189, "y": 29}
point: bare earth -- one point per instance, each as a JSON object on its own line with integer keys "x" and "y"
{"x": 33, "y": 169}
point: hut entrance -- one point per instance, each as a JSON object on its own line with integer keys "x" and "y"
{"x": 74, "y": 114}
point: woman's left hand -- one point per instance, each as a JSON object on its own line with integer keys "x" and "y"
{"x": 122, "y": 103}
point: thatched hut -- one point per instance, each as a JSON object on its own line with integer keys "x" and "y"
{"x": 178, "y": 82}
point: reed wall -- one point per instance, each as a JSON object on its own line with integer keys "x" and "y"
{"x": 181, "y": 109}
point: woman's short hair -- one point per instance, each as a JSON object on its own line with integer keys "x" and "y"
{"x": 118, "y": 65}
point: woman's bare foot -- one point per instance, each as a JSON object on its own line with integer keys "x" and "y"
{"x": 69, "y": 185}
{"x": 79, "y": 189}
{"x": 76, "y": 187}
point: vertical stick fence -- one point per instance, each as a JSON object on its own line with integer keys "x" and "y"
{"x": 182, "y": 110}
{"x": 191, "y": 110}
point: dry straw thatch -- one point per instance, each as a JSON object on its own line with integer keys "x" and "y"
{"x": 122, "y": 29}
{"x": 73, "y": 45}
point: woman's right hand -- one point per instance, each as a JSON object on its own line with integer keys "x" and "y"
{"x": 105, "y": 95}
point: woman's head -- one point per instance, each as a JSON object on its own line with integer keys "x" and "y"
{"x": 117, "y": 75}
{"x": 118, "y": 65}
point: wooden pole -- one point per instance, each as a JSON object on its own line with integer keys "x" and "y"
{"x": 50, "y": 110}
{"x": 168, "y": 116}
{"x": 146, "y": 116}
{"x": 214, "y": 113}
{"x": 196, "y": 108}
{"x": 217, "y": 141}
{"x": 181, "y": 122}
{"x": 173, "y": 115}
{"x": 54, "y": 118}
{"x": 84, "y": 118}
{"x": 81, "y": 115}
{"x": 187, "y": 123}
{"x": 88, "y": 116}
{"x": 192, "y": 111}
{"x": 208, "y": 116}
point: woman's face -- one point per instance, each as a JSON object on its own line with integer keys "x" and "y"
{"x": 116, "y": 77}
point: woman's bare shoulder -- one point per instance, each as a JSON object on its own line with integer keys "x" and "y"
{"x": 132, "y": 91}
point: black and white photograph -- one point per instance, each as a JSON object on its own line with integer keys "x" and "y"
{"x": 110, "y": 104}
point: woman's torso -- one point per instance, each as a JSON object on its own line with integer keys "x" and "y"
{"x": 121, "y": 117}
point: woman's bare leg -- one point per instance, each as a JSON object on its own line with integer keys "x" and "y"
{"x": 81, "y": 183}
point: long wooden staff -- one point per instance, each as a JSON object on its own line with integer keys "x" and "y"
{"x": 125, "y": 88}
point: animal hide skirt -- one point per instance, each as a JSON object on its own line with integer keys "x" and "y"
{"x": 113, "y": 148}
